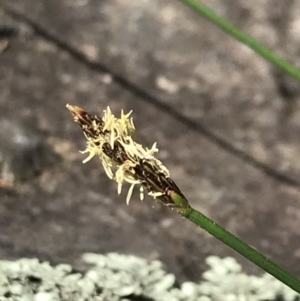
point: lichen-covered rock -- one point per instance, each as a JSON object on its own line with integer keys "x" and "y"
{"x": 117, "y": 277}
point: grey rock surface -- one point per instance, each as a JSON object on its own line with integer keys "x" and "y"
{"x": 216, "y": 109}
{"x": 23, "y": 153}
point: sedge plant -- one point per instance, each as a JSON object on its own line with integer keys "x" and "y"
{"x": 125, "y": 160}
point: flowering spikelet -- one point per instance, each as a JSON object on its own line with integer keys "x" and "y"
{"x": 123, "y": 159}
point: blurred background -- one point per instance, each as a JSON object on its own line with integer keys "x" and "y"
{"x": 226, "y": 122}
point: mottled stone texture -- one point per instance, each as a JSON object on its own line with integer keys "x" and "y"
{"x": 226, "y": 121}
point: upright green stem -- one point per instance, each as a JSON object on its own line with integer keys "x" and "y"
{"x": 243, "y": 37}
{"x": 233, "y": 242}
{"x": 242, "y": 248}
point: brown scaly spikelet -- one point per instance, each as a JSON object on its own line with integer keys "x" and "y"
{"x": 123, "y": 159}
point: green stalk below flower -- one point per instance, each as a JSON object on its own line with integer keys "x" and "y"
{"x": 236, "y": 244}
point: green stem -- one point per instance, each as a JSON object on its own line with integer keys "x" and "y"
{"x": 243, "y": 37}
{"x": 233, "y": 242}
{"x": 242, "y": 248}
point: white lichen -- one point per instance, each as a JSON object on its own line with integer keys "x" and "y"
{"x": 118, "y": 277}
